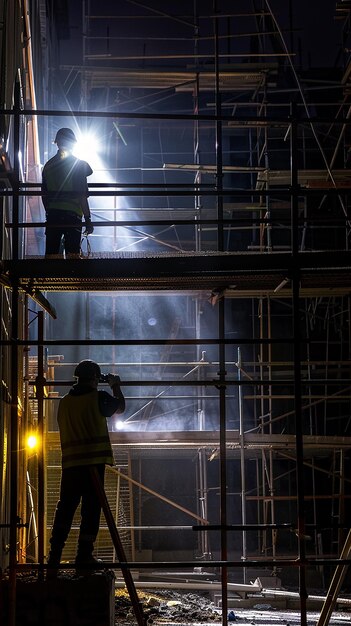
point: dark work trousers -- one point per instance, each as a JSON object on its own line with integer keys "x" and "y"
{"x": 71, "y": 236}
{"x": 77, "y": 485}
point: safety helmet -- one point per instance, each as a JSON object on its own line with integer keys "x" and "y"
{"x": 87, "y": 369}
{"x": 65, "y": 135}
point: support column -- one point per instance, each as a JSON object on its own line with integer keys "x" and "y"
{"x": 40, "y": 382}
{"x": 297, "y": 364}
{"x": 14, "y": 443}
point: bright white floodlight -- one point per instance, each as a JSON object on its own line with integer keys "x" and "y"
{"x": 87, "y": 146}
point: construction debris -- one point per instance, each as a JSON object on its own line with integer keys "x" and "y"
{"x": 175, "y": 608}
{"x": 167, "y": 605}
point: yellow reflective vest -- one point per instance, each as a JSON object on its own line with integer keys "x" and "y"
{"x": 64, "y": 182}
{"x": 83, "y": 431}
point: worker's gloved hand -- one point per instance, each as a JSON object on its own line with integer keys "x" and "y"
{"x": 113, "y": 379}
{"x": 89, "y": 228}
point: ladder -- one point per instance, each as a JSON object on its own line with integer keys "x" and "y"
{"x": 335, "y": 585}
{"x": 138, "y": 610}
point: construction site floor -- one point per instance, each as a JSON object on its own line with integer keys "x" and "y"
{"x": 95, "y": 598}
{"x": 171, "y": 607}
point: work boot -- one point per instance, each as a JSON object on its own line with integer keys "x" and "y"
{"x": 85, "y": 564}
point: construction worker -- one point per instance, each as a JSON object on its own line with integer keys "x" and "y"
{"x": 85, "y": 443}
{"x": 65, "y": 197}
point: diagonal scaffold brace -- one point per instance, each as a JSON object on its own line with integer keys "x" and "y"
{"x": 100, "y": 491}
{"x": 335, "y": 585}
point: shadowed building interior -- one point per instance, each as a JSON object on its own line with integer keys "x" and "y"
{"x": 216, "y": 284}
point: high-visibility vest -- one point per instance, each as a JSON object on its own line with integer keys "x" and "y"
{"x": 83, "y": 431}
{"x": 65, "y": 180}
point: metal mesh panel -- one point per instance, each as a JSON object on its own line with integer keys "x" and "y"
{"x": 103, "y": 547}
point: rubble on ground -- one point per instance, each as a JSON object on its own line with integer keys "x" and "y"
{"x": 167, "y": 606}
{"x": 172, "y": 608}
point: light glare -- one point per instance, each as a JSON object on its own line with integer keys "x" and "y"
{"x": 32, "y": 442}
{"x": 87, "y": 145}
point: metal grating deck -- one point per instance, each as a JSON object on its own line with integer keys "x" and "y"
{"x": 242, "y": 273}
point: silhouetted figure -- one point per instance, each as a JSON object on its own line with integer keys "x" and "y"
{"x": 85, "y": 443}
{"x": 65, "y": 197}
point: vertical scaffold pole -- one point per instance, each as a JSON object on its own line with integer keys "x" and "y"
{"x": 297, "y": 361}
{"x": 40, "y": 381}
{"x": 14, "y": 446}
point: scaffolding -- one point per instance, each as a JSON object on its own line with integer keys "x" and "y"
{"x": 245, "y": 230}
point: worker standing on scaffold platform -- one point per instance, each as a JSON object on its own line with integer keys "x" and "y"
{"x": 85, "y": 443}
{"x": 65, "y": 197}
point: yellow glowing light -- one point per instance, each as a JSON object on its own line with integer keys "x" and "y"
{"x": 32, "y": 442}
